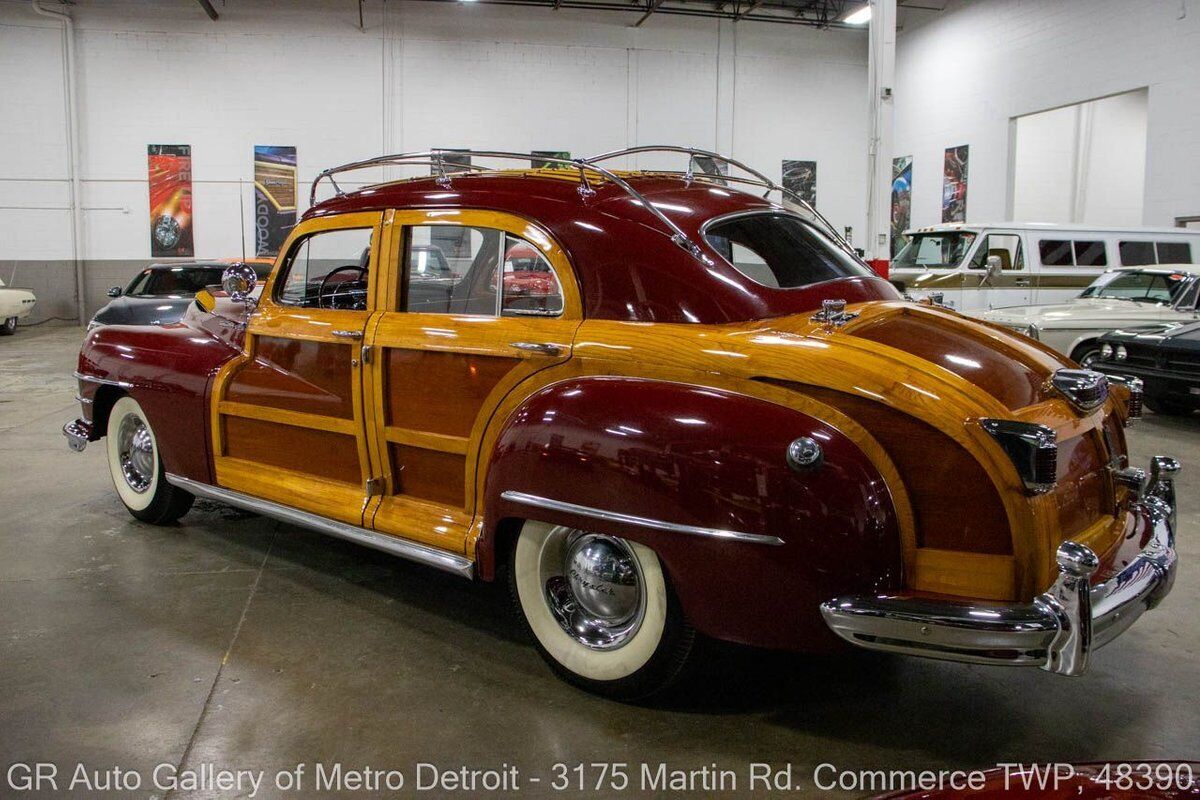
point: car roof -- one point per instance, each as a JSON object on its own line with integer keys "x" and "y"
{"x": 946, "y": 227}
{"x": 1166, "y": 269}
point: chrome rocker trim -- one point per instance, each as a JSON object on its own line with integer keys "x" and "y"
{"x": 641, "y": 522}
{"x": 78, "y": 434}
{"x": 439, "y": 559}
{"x": 79, "y": 376}
{"x": 1057, "y": 631}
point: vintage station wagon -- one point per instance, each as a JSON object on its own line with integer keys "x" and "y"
{"x": 705, "y": 416}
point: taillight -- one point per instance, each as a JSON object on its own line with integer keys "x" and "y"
{"x": 1133, "y": 408}
{"x": 1032, "y": 448}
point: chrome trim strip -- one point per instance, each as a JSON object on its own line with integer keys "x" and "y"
{"x": 642, "y": 522}
{"x": 1056, "y": 632}
{"x": 85, "y": 401}
{"x": 439, "y": 559}
{"x": 79, "y": 376}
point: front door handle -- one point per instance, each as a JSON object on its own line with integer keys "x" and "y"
{"x": 348, "y": 334}
{"x": 541, "y": 348}
{"x": 1022, "y": 281}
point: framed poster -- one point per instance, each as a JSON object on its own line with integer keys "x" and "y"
{"x": 170, "y": 171}
{"x": 954, "y": 184}
{"x": 274, "y": 197}
{"x": 801, "y": 177}
{"x": 537, "y": 161}
{"x": 901, "y": 199}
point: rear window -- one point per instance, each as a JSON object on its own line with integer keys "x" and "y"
{"x": 781, "y": 251}
{"x": 1069, "y": 253}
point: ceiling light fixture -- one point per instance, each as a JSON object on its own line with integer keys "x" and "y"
{"x": 860, "y": 17}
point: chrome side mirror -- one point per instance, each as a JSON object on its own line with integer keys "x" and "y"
{"x": 238, "y": 282}
{"x": 992, "y": 268}
{"x": 115, "y": 291}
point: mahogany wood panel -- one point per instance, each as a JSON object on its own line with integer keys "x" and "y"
{"x": 439, "y": 392}
{"x": 1083, "y": 491}
{"x": 297, "y": 375}
{"x": 429, "y": 474}
{"x": 328, "y": 455}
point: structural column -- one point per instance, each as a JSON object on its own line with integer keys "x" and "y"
{"x": 881, "y": 68}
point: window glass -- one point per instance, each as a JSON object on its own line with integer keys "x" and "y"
{"x": 1136, "y": 254}
{"x": 530, "y": 286}
{"x": 780, "y": 251}
{"x": 1090, "y": 254}
{"x": 1139, "y": 286}
{"x": 329, "y": 270}
{"x": 174, "y": 281}
{"x": 1055, "y": 253}
{"x": 1174, "y": 253}
{"x": 934, "y": 250}
{"x": 466, "y": 284}
{"x": 1007, "y": 246}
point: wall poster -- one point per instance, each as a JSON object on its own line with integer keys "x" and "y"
{"x": 538, "y": 158}
{"x": 170, "y": 172}
{"x": 954, "y": 185}
{"x": 901, "y": 199}
{"x": 801, "y": 177}
{"x": 274, "y": 197}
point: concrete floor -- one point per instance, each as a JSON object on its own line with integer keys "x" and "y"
{"x": 248, "y": 644}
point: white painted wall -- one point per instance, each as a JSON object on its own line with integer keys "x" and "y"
{"x": 1082, "y": 163}
{"x": 420, "y": 75}
{"x": 963, "y": 75}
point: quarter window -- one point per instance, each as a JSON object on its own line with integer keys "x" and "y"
{"x": 456, "y": 269}
{"x": 1065, "y": 253}
{"x": 1137, "y": 254}
{"x": 329, "y": 269}
{"x": 780, "y": 251}
{"x": 1090, "y": 254}
{"x": 1174, "y": 253}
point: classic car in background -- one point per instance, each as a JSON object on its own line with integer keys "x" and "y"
{"x": 1117, "y": 299}
{"x": 718, "y": 421}
{"x": 160, "y": 293}
{"x": 1166, "y": 358}
{"x": 979, "y": 266}
{"x": 15, "y": 304}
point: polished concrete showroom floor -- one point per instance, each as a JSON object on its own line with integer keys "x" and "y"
{"x": 235, "y": 640}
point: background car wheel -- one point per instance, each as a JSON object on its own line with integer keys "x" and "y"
{"x": 600, "y": 609}
{"x": 137, "y": 470}
{"x": 1170, "y": 408}
{"x": 1086, "y": 354}
{"x": 8, "y": 327}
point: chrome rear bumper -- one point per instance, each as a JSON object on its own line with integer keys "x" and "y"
{"x": 1057, "y": 631}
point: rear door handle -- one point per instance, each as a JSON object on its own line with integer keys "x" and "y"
{"x": 348, "y": 334}
{"x": 541, "y": 348}
{"x": 1022, "y": 281}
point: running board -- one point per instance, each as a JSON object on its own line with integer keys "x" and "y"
{"x": 439, "y": 559}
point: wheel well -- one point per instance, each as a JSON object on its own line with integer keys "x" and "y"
{"x": 106, "y": 397}
{"x": 1078, "y": 349}
{"x": 504, "y": 540}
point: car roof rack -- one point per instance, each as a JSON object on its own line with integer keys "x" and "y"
{"x": 444, "y": 165}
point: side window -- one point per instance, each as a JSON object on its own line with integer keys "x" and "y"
{"x": 328, "y": 270}
{"x": 455, "y": 269}
{"x": 530, "y": 287}
{"x": 1090, "y": 254}
{"x": 1174, "y": 253}
{"x": 1055, "y": 253}
{"x": 1007, "y": 246}
{"x": 1137, "y": 254}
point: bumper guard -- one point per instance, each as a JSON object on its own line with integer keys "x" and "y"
{"x": 78, "y": 433}
{"x": 1057, "y": 631}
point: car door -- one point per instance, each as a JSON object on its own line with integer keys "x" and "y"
{"x": 447, "y": 348}
{"x": 1013, "y": 284}
{"x": 287, "y": 416}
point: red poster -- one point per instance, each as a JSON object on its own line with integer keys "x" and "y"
{"x": 170, "y": 168}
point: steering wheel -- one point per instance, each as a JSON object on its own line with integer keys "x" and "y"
{"x": 337, "y": 293}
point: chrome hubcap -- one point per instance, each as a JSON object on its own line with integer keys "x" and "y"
{"x": 593, "y": 586}
{"x": 135, "y": 449}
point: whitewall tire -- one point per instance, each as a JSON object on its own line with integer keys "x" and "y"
{"x": 600, "y": 609}
{"x": 136, "y": 468}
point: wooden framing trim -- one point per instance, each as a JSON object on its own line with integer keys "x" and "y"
{"x": 952, "y": 572}
{"x": 443, "y": 443}
{"x": 297, "y": 419}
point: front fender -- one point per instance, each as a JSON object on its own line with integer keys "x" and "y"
{"x": 693, "y": 457}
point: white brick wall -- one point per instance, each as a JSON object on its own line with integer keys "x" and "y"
{"x": 421, "y": 75}
{"x": 962, "y": 75}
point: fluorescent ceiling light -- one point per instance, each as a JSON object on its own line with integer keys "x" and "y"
{"x": 860, "y": 17}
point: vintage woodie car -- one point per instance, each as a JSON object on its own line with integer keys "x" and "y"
{"x": 716, "y": 421}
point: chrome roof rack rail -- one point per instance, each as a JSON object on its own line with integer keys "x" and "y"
{"x": 444, "y": 167}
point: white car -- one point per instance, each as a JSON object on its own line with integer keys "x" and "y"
{"x": 14, "y": 304}
{"x": 1123, "y": 298}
